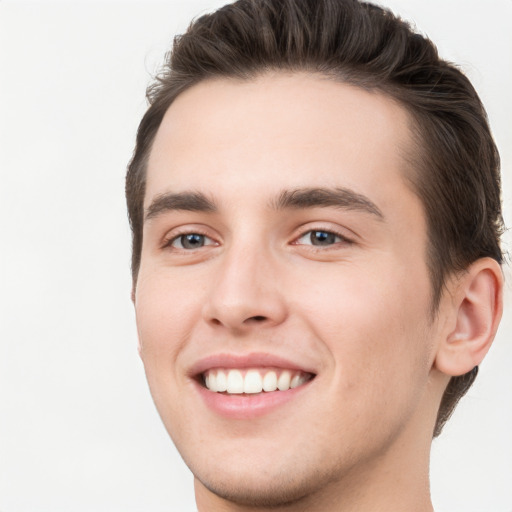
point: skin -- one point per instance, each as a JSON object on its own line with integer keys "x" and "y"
{"x": 355, "y": 312}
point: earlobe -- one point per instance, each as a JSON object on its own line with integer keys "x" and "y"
{"x": 477, "y": 301}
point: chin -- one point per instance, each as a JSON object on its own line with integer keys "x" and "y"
{"x": 270, "y": 491}
{"x": 252, "y": 483}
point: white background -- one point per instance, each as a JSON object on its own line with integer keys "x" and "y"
{"x": 78, "y": 430}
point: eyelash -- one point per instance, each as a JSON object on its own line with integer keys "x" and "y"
{"x": 168, "y": 242}
{"x": 329, "y": 231}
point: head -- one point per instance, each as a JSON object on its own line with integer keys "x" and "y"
{"x": 449, "y": 160}
{"x": 454, "y": 164}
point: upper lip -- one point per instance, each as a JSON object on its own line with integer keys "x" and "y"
{"x": 250, "y": 360}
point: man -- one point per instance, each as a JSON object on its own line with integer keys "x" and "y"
{"x": 315, "y": 206}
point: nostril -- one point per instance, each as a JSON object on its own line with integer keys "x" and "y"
{"x": 252, "y": 319}
{"x": 258, "y": 318}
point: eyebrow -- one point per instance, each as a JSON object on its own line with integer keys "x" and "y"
{"x": 343, "y": 198}
{"x": 185, "y": 201}
{"x": 296, "y": 199}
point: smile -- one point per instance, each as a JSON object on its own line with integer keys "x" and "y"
{"x": 253, "y": 380}
{"x": 251, "y": 385}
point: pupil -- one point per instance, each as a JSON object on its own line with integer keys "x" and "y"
{"x": 192, "y": 241}
{"x": 322, "y": 238}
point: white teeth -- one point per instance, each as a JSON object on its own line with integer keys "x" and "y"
{"x": 296, "y": 381}
{"x": 283, "y": 383}
{"x": 269, "y": 381}
{"x": 222, "y": 382}
{"x": 211, "y": 381}
{"x": 254, "y": 381}
{"x": 235, "y": 383}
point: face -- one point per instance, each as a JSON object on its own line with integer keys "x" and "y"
{"x": 283, "y": 296}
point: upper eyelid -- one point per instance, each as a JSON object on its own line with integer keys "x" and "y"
{"x": 187, "y": 230}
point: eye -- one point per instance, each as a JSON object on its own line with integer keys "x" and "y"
{"x": 190, "y": 241}
{"x": 320, "y": 238}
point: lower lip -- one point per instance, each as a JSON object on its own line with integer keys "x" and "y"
{"x": 248, "y": 406}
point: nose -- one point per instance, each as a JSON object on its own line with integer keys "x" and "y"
{"x": 245, "y": 292}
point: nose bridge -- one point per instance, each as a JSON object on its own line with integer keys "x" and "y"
{"x": 245, "y": 290}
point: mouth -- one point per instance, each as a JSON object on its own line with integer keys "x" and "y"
{"x": 251, "y": 385}
{"x": 252, "y": 381}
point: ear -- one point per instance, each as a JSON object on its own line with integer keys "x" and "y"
{"x": 476, "y": 309}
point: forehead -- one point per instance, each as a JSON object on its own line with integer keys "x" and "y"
{"x": 279, "y": 131}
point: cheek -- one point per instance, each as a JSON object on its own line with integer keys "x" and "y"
{"x": 166, "y": 311}
{"x": 374, "y": 323}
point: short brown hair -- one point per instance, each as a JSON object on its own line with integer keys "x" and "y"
{"x": 455, "y": 166}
